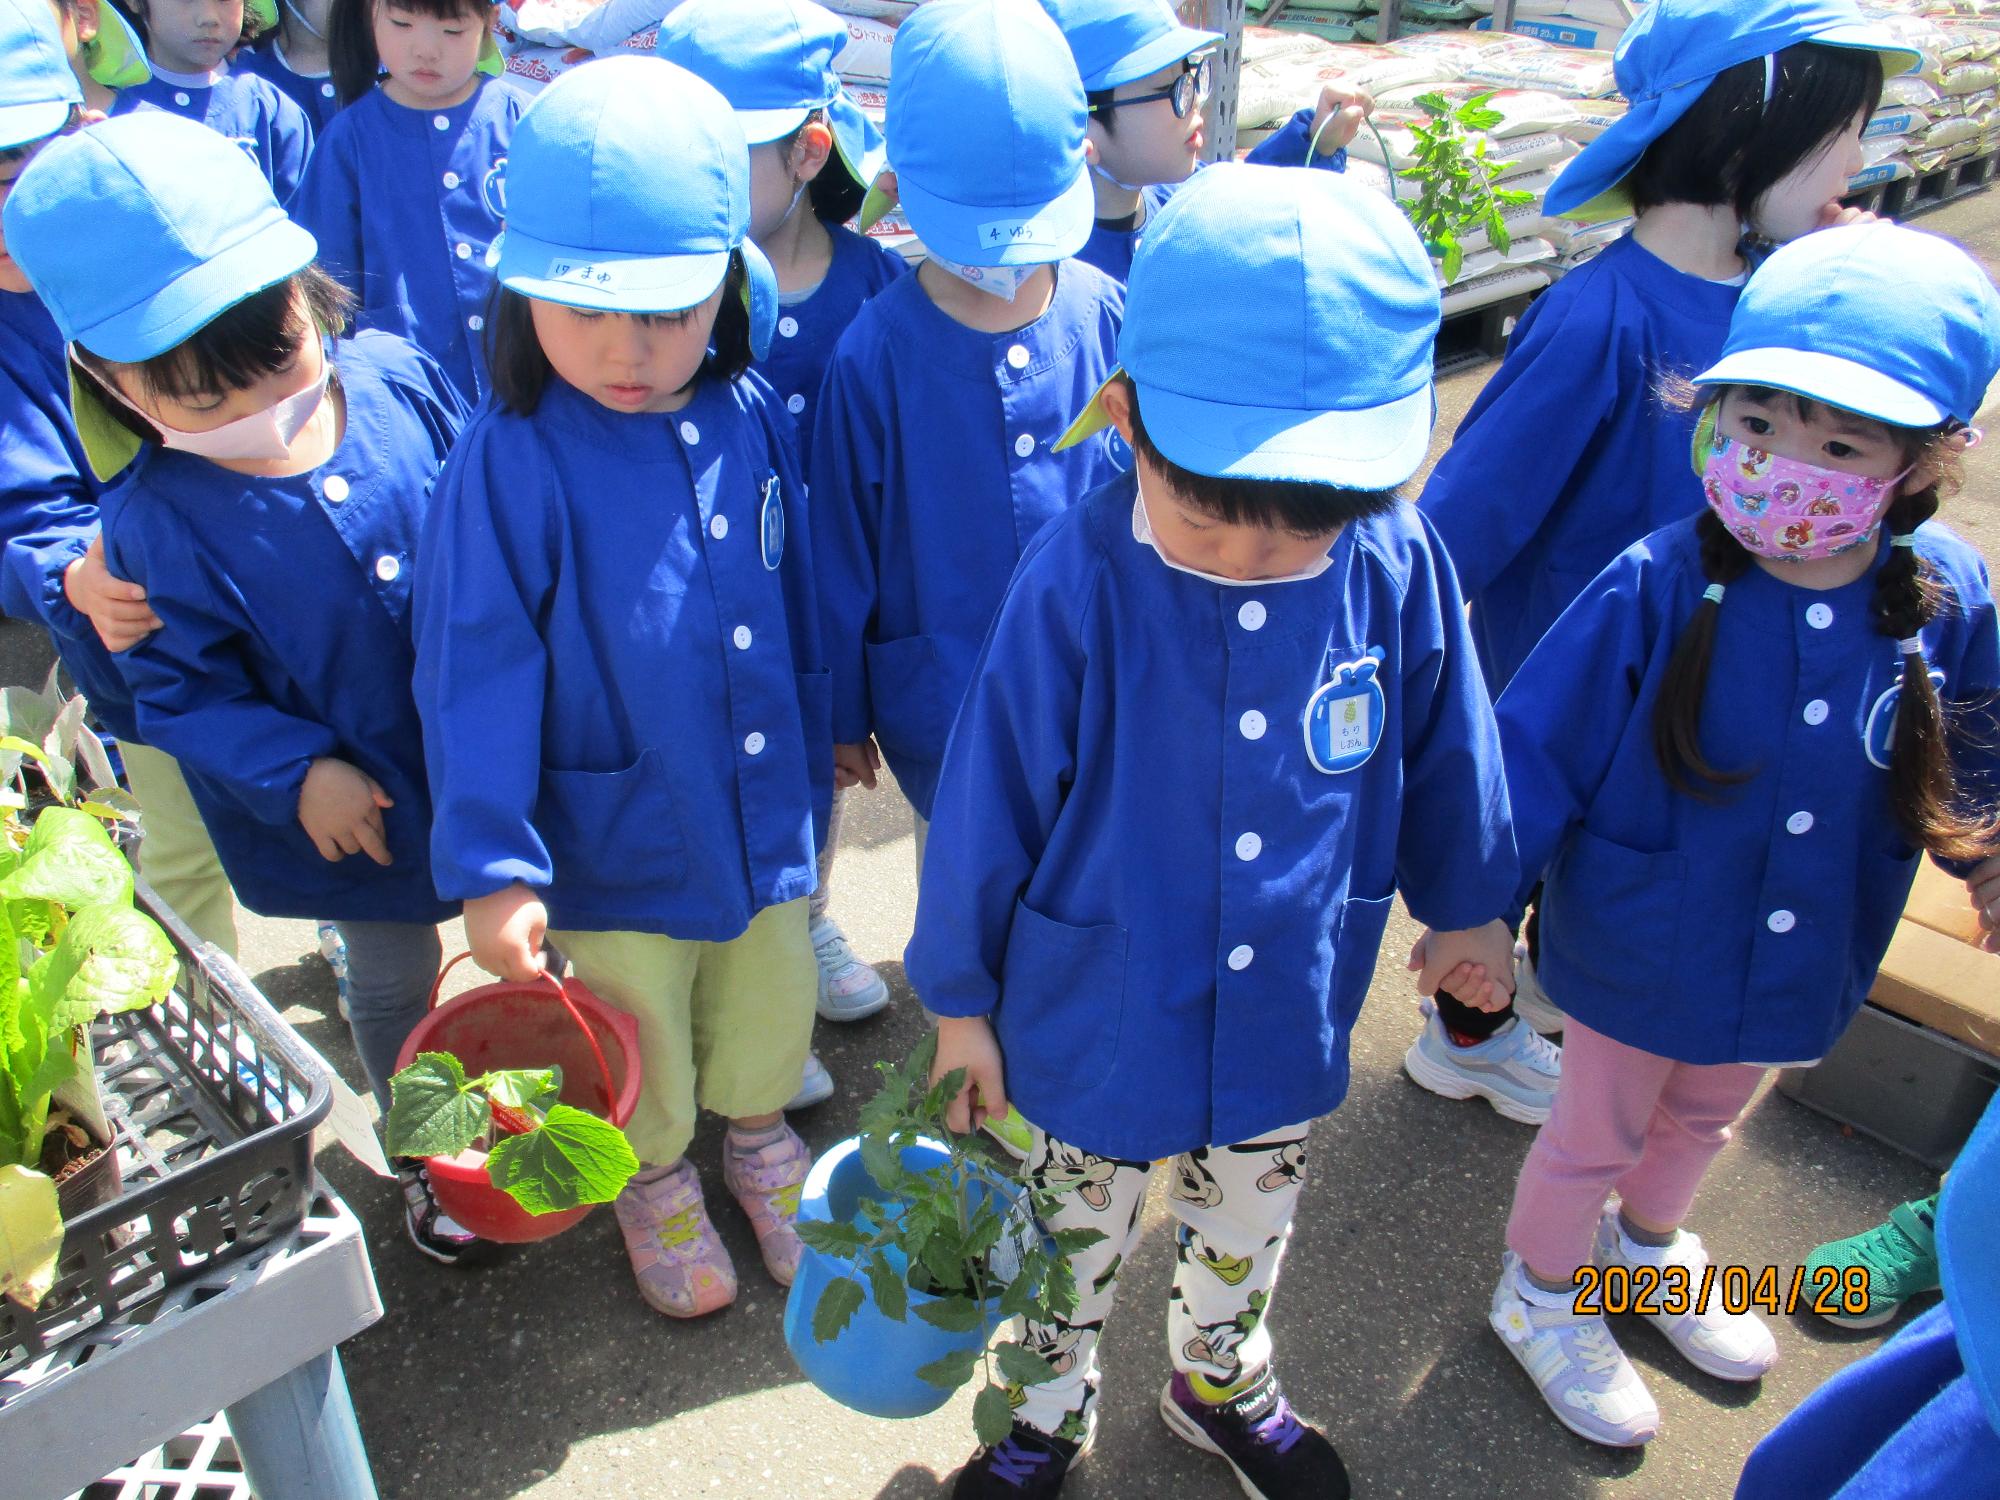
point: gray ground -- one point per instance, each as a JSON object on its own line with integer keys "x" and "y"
{"x": 548, "y": 1377}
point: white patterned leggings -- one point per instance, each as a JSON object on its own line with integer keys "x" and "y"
{"x": 1235, "y": 1206}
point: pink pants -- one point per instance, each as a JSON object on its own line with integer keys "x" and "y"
{"x": 1623, "y": 1119}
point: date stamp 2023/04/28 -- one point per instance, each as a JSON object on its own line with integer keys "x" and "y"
{"x": 1673, "y": 1290}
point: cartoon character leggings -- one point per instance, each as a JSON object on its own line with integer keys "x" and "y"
{"x": 1235, "y": 1206}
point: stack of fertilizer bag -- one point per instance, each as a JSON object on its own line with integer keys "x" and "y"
{"x": 1944, "y": 112}
{"x": 1359, "y": 21}
{"x": 1551, "y": 101}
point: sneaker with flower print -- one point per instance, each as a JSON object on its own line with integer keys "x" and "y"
{"x": 1575, "y": 1363}
{"x": 766, "y": 1183}
{"x": 677, "y": 1258}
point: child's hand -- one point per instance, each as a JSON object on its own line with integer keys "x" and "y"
{"x": 855, "y": 765}
{"x": 1983, "y": 886}
{"x": 341, "y": 807}
{"x": 505, "y": 932}
{"x": 1476, "y": 965}
{"x": 116, "y": 609}
{"x": 968, "y": 1042}
{"x": 1337, "y": 119}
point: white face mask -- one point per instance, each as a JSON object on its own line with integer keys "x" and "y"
{"x": 996, "y": 281}
{"x": 1142, "y": 531}
{"x": 265, "y": 434}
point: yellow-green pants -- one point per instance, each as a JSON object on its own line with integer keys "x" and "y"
{"x": 177, "y": 856}
{"x": 722, "y": 1026}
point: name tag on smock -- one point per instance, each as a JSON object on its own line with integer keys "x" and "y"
{"x": 771, "y": 525}
{"x": 1344, "y": 717}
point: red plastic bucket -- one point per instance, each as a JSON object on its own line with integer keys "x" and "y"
{"x": 548, "y": 1023}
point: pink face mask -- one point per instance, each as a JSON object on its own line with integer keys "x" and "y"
{"x": 265, "y": 434}
{"x": 1787, "y": 509}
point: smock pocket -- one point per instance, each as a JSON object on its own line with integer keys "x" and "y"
{"x": 1363, "y": 920}
{"x": 1062, "y": 998}
{"x": 1611, "y": 916}
{"x": 906, "y": 688}
{"x": 613, "y": 829}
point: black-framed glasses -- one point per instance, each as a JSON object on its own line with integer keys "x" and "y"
{"x": 1190, "y": 89}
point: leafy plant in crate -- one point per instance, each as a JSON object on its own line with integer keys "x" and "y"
{"x": 72, "y": 947}
{"x": 909, "y": 1219}
{"x": 1456, "y": 195}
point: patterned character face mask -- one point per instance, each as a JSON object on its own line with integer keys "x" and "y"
{"x": 1784, "y": 508}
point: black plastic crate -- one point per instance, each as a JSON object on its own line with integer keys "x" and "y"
{"x": 213, "y": 1102}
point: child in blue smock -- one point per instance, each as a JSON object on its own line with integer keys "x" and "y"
{"x": 52, "y": 568}
{"x": 1146, "y": 76}
{"x": 1228, "y": 709}
{"x": 188, "y": 43}
{"x": 270, "y": 493}
{"x": 1728, "y": 755}
{"x": 813, "y": 154}
{"x": 404, "y": 194}
{"x": 294, "y": 56}
{"x": 933, "y": 456}
{"x": 625, "y": 710}
{"x": 1746, "y": 117}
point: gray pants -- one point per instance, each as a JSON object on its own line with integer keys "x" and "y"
{"x": 391, "y": 967}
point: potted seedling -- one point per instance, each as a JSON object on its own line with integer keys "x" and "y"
{"x": 1455, "y": 192}
{"x": 918, "y": 1247}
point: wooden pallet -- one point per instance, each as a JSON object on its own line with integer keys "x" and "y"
{"x": 1911, "y": 196}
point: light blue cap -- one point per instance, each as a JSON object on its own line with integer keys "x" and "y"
{"x": 628, "y": 187}
{"x": 1281, "y": 325}
{"x": 986, "y": 127}
{"x": 1118, "y": 41}
{"x": 1892, "y": 323}
{"x": 773, "y": 61}
{"x": 139, "y": 231}
{"x": 37, "y": 88}
{"x": 1670, "y": 56}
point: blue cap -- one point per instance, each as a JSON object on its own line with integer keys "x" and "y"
{"x": 1669, "y": 57}
{"x": 37, "y": 88}
{"x": 986, "y": 125}
{"x": 773, "y": 62}
{"x": 1117, "y": 41}
{"x": 139, "y": 231}
{"x": 1280, "y": 325}
{"x": 1893, "y": 323}
{"x": 628, "y": 187}
{"x": 1968, "y": 1227}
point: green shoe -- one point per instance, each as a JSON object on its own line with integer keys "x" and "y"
{"x": 1898, "y": 1260}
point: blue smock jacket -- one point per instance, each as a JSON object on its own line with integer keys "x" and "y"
{"x": 618, "y": 663}
{"x": 313, "y": 93}
{"x": 404, "y": 203}
{"x": 1170, "y": 912}
{"x": 809, "y": 330}
{"x": 247, "y": 109}
{"x": 1111, "y": 249}
{"x": 284, "y": 636}
{"x": 48, "y": 504}
{"x": 932, "y": 471}
{"x": 1568, "y": 456}
{"x": 1747, "y": 928}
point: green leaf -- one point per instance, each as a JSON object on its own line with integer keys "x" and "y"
{"x": 1454, "y": 260}
{"x": 111, "y": 958}
{"x": 884, "y": 1164}
{"x": 951, "y": 1314}
{"x": 838, "y": 1304}
{"x": 431, "y": 1111}
{"x": 1022, "y": 1366}
{"x": 573, "y": 1159}
{"x": 31, "y": 1234}
{"x": 952, "y": 1371}
{"x": 943, "y": 1256}
{"x": 1075, "y": 1241}
{"x": 523, "y": 1088}
{"x": 891, "y": 1295}
{"x": 992, "y": 1416}
{"x": 69, "y": 859}
{"x": 832, "y": 1237}
{"x": 1022, "y": 1296}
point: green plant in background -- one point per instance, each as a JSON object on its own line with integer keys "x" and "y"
{"x": 1456, "y": 195}
{"x": 546, "y": 1155}
{"x": 963, "y": 1232}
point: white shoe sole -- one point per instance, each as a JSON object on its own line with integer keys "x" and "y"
{"x": 1181, "y": 1427}
{"x": 1450, "y": 1085}
{"x": 1637, "y": 1440}
{"x": 841, "y": 1014}
{"x": 1708, "y": 1364}
{"x": 811, "y": 1094}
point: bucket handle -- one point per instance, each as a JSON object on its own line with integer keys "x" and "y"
{"x": 562, "y": 994}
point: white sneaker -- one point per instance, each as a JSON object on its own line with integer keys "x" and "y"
{"x": 1575, "y": 1363}
{"x": 1729, "y": 1346}
{"x": 815, "y": 1087}
{"x": 1531, "y": 1002}
{"x": 1516, "y": 1069}
{"x": 849, "y": 990}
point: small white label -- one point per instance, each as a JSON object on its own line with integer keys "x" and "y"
{"x": 581, "y": 272}
{"x": 1015, "y": 232}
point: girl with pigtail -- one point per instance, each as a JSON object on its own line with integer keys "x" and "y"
{"x": 1725, "y": 759}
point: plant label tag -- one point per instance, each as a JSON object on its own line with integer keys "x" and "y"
{"x": 350, "y": 1124}
{"x": 1344, "y": 718}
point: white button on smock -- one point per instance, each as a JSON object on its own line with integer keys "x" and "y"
{"x": 788, "y": 327}
{"x": 1024, "y": 445}
{"x": 1816, "y": 711}
{"x": 795, "y": 404}
{"x": 1819, "y": 616}
{"x": 690, "y": 433}
{"x": 1251, "y": 616}
{"x": 742, "y": 637}
{"x": 183, "y": 100}
{"x": 719, "y": 527}
{"x": 443, "y": 122}
{"x": 1249, "y": 847}
{"x": 451, "y": 179}
{"x": 1781, "y": 921}
{"x": 1240, "y": 956}
{"x": 334, "y": 488}
{"x": 1018, "y": 356}
{"x": 386, "y": 568}
{"x": 1252, "y": 725}
{"x": 1799, "y": 822}
{"x": 753, "y": 743}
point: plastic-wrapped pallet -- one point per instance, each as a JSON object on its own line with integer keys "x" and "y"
{"x": 1283, "y": 71}
{"x": 865, "y": 58}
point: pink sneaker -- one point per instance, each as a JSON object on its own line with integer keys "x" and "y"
{"x": 681, "y": 1266}
{"x": 767, "y": 1184}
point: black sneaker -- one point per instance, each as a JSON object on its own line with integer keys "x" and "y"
{"x": 437, "y": 1237}
{"x": 1274, "y": 1454}
{"x": 1027, "y": 1466}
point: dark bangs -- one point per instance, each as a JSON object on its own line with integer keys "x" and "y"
{"x": 350, "y": 36}
{"x": 249, "y": 342}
